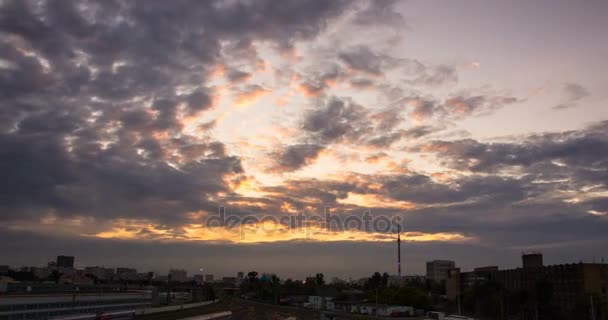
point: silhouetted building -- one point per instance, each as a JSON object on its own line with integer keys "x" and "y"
{"x": 231, "y": 281}
{"x": 452, "y": 284}
{"x": 532, "y": 260}
{"x": 178, "y": 275}
{"x": 100, "y": 273}
{"x": 208, "y": 278}
{"x": 477, "y": 276}
{"x": 126, "y": 274}
{"x": 570, "y": 284}
{"x": 4, "y": 269}
{"x": 437, "y": 270}
{"x": 65, "y": 261}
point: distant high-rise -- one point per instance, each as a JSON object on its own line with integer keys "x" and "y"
{"x": 437, "y": 270}
{"x": 208, "y": 278}
{"x": 240, "y": 275}
{"x": 65, "y": 261}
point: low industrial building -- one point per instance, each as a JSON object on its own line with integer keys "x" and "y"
{"x": 13, "y": 307}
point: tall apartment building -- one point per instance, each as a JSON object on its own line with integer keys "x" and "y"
{"x": 437, "y": 270}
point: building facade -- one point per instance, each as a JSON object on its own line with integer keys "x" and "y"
{"x": 570, "y": 284}
{"x": 178, "y": 275}
{"x": 437, "y": 270}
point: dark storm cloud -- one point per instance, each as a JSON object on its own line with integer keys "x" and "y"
{"x": 573, "y": 93}
{"x": 91, "y": 118}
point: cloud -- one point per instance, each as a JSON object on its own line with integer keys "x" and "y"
{"x": 336, "y": 121}
{"x": 363, "y": 59}
{"x": 294, "y": 157}
{"x": 436, "y": 76}
{"x": 462, "y": 106}
{"x": 249, "y": 95}
{"x": 573, "y": 93}
{"x": 583, "y": 149}
{"x": 380, "y": 13}
{"x": 238, "y": 76}
{"x": 97, "y": 96}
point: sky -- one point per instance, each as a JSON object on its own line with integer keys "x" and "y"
{"x": 126, "y": 125}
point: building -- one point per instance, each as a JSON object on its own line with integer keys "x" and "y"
{"x": 571, "y": 283}
{"x": 30, "y": 306}
{"x": 452, "y": 284}
{"x": 40, "y": 273}
{"x": 126, "y": 274}
{"x": 208, "y": 278}
{"x": 229, "y": 280}
{"x": 75, "y": 278}
{"x": 240, "y": 275}
{"x": 437, "y": 270}
{"x": 198, "y": 278}
{"x": 178, "y": 275}
{"x": 4, "y": 269}
{"x": 532, "y": 260}
{"x": 319, "y": 302}
{"x": 65, "y": 262}
{"x": 101, "y": 273}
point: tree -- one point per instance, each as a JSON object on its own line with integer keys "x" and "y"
{"x": 375, "y": 281}
{"x": 319, "y": 279}
{"x": 252, "y": 276}
{"x": 276, "y": 288}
